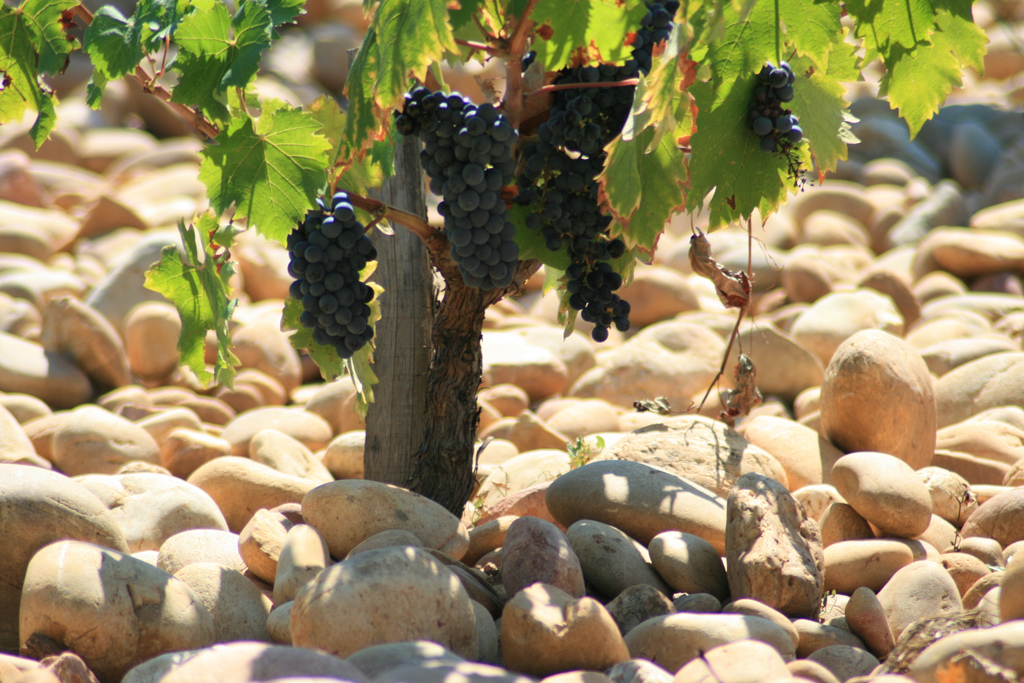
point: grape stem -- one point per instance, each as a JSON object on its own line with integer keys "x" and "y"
{"x": 574, "y": 86}
{"x": 411, "y": 222}
{"x": 150, "y": 86}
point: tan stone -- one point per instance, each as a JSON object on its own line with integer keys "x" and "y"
{"x": 536, "y": 551}
{"x": 676, "y": 639}
{"x": 527, "y": 432}
{"x": 381, "y": 596}
{"x": 239, "y": 610}
{"x": 870, "y": 563}
{"x": 343, "y": 456}
{"x": 840, "y": 522}
{"x": 885, "y": 491}
{"x": 287, "y": 455}
{"x": 704, "y": 451}
{"x": 114, "y": 611}
{"x": 689, "y": 564}
{"x": 347, "y": 512}
{"x": 186, "y": 450}
{"x": 815, "y": 636}
{"x": 805, "y": 455}
{"x": 739, "y": 662}
{"x": 545, "y": 630}
{"x": 919, "y": 590}
{"x": 303, "y": 556}
{"x": 1000, "y": 518}
{"x": 72, "y": 328}
{"x": 151, "y": 332}
{"x": 641, "y": 500}
{"x": 308, "y": 428}
{"x": 240, "y": 487}
{"x": 260, "y": 542}
{"x": 91, "y": 440}
{"x": 870, "y": 374}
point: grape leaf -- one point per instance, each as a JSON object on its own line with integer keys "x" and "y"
{"x": 20, "y": 89}
{"x": 405, "y": 37}
{"x": 919, "y": 80}
{"x": 271, "y": 172}
{"x": 746, "y": 44}
{"x": 634, "y": 171}
{"x": 819, "y": 103}
{"x": 665, "y": 95}
{"x": 158, "y": 20}
{"x": 360, "y": 365}
{"x": 812, "y": 27}
{"x": 42, "y": 17}
{"x": 358, "y": 176}
{"x": 45, "y": 120}
{"x": 113, "y": 43}
{"x": 284, "y": 11}
{"x": 727, "y": 157}
{"x": 891, "y": 29}
{"x": 198, "y": 287}
{"x": 582, "y": 31}
{"x": 967, "y": 40}
{"x": 218, "y": 52}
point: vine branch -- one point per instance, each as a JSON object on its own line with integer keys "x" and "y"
{"x": 148, "y": 84}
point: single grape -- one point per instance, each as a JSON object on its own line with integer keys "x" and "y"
{"x": 795, "y": 135}
{"x": 762, "y": 125}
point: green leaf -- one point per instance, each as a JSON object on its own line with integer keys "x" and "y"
{"x": 218, "y": 52}
{"x": 284, "y": 11}
{"x": 94, "y": 89}
{"x": 920, "y": 80}
{"x": 812, "y": 27}
{"x": 45, "y": 121}
{"x": 42, "y": 17}
{"x": 113, "y": 43}
{"x": 819, "y": 103}
{"x": 967, "y": 40}
{"x": 746, "y": 44}
{"x": 582, "y": 31}
{"x": 198, "y": 287}
{"x": 159, "y": 19}
{"x": 891, "y": 28}
{"x": 271, "y": 172}
{"x": 727, "y": 157}
{"x": 404, "y": 39}
{"x": 633, "y": 172}
{"x": 17, "y": 66}
{"x": 360, "y": 365}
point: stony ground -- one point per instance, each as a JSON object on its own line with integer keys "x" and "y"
{"x": 155, "y": 531}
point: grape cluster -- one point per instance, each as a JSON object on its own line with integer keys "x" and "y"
{"x": 777, "y": 127}
{"x": 468, "y": 152}
{"x": 559, "y": 171}
{"x": 328, "y": 250}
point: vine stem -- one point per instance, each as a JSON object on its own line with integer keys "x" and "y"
{"x": 193, "y": 117}
{"x": 411, "y": 222}
{"x": 513, "y": 104}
